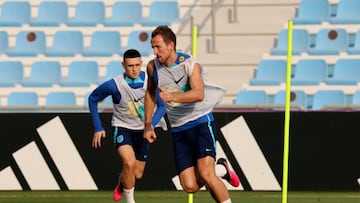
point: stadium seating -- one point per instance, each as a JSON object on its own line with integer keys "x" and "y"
{"x": 355, "y": 49}
{"x": 346, "y": 72}
{"x": 355, "y": 102}
{"x": 141, "y": 41}
{"x": 270, "y": 72}
{"x": 66, "y": 43}
{"x": 300, "y": 42}
{"x": 125, "y": 13}
{"x": 88, "y": 13}
{"x": 298, "y": 100}
{"x": 162, "y": 13}
{"x": 15, "y": 13}
{"x": 103, "y": 43}
{"x": 11, "y": 73}
{"x": 113, "y": 69}
{"x": 251, "y": 98}
{"x": 312, "y": 12}
{"x": 310, "y": 72}
{"x": 51, "y": 14}
{"x": 23, "y": 99}
{"x": 81, "y": 74}
{"x": 329, "y": 99}
{"x": 28, "y": 43}
{"x": 4, "y": 42}
{"x": 43, "y": 74}
{"x": 330, "y": 42}
{"x": 61, "y": 99}
{"x": 347, "y": 12}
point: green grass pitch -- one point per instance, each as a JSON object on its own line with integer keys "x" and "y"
{"x": 174, "y": 197}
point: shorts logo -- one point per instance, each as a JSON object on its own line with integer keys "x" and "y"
{"x": 120, "y": 139}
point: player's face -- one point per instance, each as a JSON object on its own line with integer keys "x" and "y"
{"x": 132, "y": 67}
{"x": 162, "y": 50}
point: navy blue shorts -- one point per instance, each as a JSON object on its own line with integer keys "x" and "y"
{"x": 134, "y": 138}
{"x": 193, "y": 144}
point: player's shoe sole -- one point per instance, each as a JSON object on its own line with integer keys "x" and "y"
{"x": 118, "y": 191}
{"x": 230, "y": 176}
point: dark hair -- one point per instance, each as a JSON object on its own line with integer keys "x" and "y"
{"x": 131, "y": 53}
{"x": 167, "y": 34}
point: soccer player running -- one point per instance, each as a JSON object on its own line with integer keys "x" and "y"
{"x": 127, "y": 91}
{"x": 189, "y": 101}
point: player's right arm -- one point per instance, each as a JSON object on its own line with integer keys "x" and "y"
{"x": 96, "y": 96}
{"x": 149, "y": 132}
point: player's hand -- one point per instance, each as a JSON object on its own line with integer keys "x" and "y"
{"x": 165, "y": 95}
{"x": 96, "y": 141}
{"x": 149, "y": 134}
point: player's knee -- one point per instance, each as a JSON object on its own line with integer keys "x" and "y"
{"x": 129, "y": 165}
{"x": 205, "y": 175}
{"x": 190, "y": 187}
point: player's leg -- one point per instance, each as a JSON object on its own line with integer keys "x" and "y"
{"x": 206, "y": 153}
{"x": 141, "y": 149}
{"x": 136, "y": 165}
{"x": 128, "y": 159}
{"x": 184, "y": 161}
{"x": 206, "y": 168}
{"x": 123, "y": 142}
{"x": 189, "y": 180}
{"x": 128, "y": 172}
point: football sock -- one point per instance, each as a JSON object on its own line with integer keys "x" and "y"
{"x": 129, "y": 194}
{"x": 227, "y": 201}
{"x": 220, "y": 170}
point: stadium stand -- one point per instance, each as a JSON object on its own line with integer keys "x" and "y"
{"x": 310, "y": 72}
{"x": 140, "y": 40}
{"x": 346, "y": 72}
{"x": 113, "y": 68}
{"x": 312, "y": 12}
{"x": 66, "y": 43}
{"x": 252, "y": 39}
{"x": 251, "y": 98}
{"x": 103, "y": 43}
{"x": 162, "y": 13}
{"x": 329, "y": 99}
{"x": 347, "y": 12}
{"x": 270, "y": 72}
{"x": 23, "y": 99}
{"x": 9, "y": 17}
{"x": 28, "y": 43}
{"x": 11, "y": 73}
{"x": 355, "y": 102}
{"x": 88, "y": 13}
{"x": 51, "y": 14}
{"x": 125, "y": 13}
{"x": 355, "y": 48}
{"x": 81, "y": 73}
{"x": 300, "y": 39}
{"x": 330, "y": 42}
{"x": 61, "y": 99}
{"x": 4, "y": 42}
{"x": 43, "y": 74}
{"x": 298, "y": 100}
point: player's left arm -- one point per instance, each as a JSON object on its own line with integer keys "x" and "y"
{"x": 160, "y": 110}
{"x": 195, "y": 94}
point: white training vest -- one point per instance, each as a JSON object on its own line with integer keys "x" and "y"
{"x": 130, "y": 110}
{"x": 176, "y": 79}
